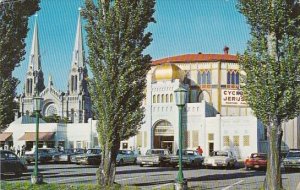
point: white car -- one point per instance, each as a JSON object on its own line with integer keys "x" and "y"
{"x": 220, "y": 159}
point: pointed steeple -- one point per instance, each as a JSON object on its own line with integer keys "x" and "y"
{"x": 34, "y": 59}
{"x": 78, "y": 46}
{"x": 34, "y": 78}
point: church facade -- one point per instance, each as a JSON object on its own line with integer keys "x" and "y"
{"x": 73, "y": 104}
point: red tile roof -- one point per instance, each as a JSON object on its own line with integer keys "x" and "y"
{"x": 188, "y": 58}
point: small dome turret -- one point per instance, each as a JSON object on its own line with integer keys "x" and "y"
{"x": 168, "y": 71}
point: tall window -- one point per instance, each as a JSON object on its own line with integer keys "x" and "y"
{"x": 233, "y": 77}
{"x": 236, "y": 141}
{"x": 171, "y": 97}
{"x": 208, "y": 77}
{"x": 167, "y": 98}
{"x": 154, "y": 99}
{"x": 163, "y": 100}
{"x": 226, "y": 141}
{"x": 204, "y": 77}
{"x": 158, "y": 98}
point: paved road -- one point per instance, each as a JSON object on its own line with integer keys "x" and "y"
{"x": 156, "y": 178}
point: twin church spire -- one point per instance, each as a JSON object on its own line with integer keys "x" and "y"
{"x": 35, "y": 80}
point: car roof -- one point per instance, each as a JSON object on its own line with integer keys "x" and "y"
{"x": 6, "y": 151}
{"x": 294, "y": 150}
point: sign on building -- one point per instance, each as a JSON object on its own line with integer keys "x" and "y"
{"x": 233, "y": 97}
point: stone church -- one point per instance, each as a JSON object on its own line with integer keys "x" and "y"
{"x": 73, "y": 104}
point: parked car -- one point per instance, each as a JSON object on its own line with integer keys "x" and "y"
{"x": 158, "y": 157}
{"x": 91, "y": 157}
{"x": 44, "y": 155}
{"x": 256, "y": 161}
{"x": 126, "y": 157}
{"x": 292, "y": 160}
{"x": 190, "y": 158}
{"x": 220, "y": 159}
{"x": 65, "y": 156}
{"x": 11, "y": 163}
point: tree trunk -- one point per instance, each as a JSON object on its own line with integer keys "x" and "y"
{"x": 273, "y": 179}
{"x": 107, "y": 169}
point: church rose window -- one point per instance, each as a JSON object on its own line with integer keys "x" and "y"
{"x": 51, "y": 110}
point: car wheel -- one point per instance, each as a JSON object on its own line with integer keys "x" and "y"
{"x": 121, "y": 162}
{"x": 134, "y": 162}
{"x": 228, "y": 166}
{"x": 18, "y": 174}
{"x": 141, "y": 165}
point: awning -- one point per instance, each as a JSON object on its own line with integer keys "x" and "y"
{"x": 4, "y": 136}
{"x": 43, "y": 136}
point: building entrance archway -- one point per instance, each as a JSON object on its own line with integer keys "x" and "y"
{"x": 164, "y": 135}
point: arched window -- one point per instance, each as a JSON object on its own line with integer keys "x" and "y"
{"x": 167, "y": 98}
{"x": 199, "y": 77}
{"x": 203, "y": 78}
{"x": 208, "y": 77}
{"x": 228, "y": 77}
{"x": 154, "y": 99}
{"x": 75, "y": 85}
{"x": 171, "y": 97}
{"x": 158, "y": 98}
{"x": 72, "y": 83}
{"x": 163, "y": 100}
{"x": 237, "y": 78}
{"x": 232, "y": 78}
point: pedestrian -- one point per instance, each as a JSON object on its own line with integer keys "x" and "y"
{"x": 23, "y": 150}
{"x": 199, "y": 150}
{"x": 18, "y": 150}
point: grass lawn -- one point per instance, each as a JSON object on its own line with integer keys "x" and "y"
{"x": 54, "y": 186}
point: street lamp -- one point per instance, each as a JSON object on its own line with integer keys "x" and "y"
{"x": 180, "y": 98}
{"x": 36, "y": 177}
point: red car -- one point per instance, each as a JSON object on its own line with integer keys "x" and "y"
{"x": 256, "y": 161}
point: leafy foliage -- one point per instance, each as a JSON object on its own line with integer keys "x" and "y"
{"x": 272, "y": 68}
{"x": 116, "y": 39}
{"x": 271, "y": 86}
{"x": 13, "y": 30}
{"x": 55, "y": 119}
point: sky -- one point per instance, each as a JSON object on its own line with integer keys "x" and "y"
{"x": 182, "y": 27}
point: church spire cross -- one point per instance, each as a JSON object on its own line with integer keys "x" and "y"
{"x": 34, "y": 59}
{"x": 78, "y": 46}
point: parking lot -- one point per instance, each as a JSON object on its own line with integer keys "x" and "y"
{"x": 159, "y": 177}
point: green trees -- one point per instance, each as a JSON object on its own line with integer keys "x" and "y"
{"x": 271, "y": 63}
{"x": 116, "y": 40}
{"x": 13, "y": 30}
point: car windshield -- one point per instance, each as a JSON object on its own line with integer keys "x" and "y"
{"x": 43, "y": 150}
{"x": 293, "y": 154}
{"x": 220, "y": 153}
{"x": 78, "y": 150}
{"x": 93, "y": 151}
{"x": 190, "y": 152}
{"x": 262, "y": 156}
{"x": 68, "y": 151}
{"x": 149, "y": 152}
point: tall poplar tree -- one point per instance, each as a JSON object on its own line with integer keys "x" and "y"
{"x": 116, "y": 39}
{"x": 271, "y": 63}
{"x": 14, "y": 16}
